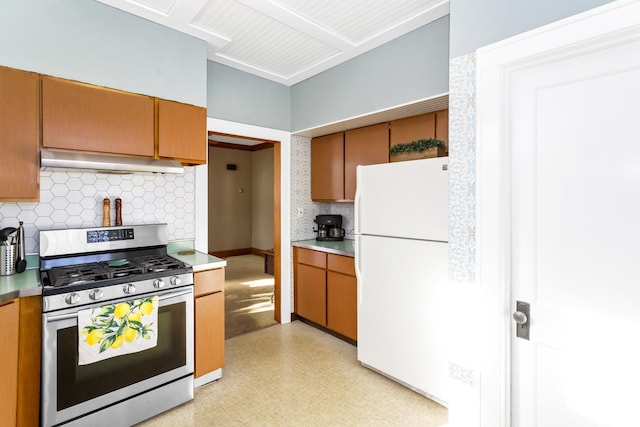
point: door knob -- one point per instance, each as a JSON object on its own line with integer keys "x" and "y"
{"x": 520, "y": 317}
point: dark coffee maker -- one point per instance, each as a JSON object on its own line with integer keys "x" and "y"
{"x": 329, "y": 227}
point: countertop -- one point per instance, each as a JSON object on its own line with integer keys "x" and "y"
{"x": 344, "y": 247}
{"x": 199, "y": 260}
{"x": 23, "y": 284}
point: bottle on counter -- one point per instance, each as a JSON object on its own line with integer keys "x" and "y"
{"x": 118, "y": 211}
{"x": 106, "y": 212}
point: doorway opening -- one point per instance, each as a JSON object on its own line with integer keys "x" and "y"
{"x": 244, "y": 218}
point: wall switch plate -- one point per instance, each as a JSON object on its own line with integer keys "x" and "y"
{"x": 300, "y": 212}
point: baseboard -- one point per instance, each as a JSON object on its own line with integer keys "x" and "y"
{"x": 295, "y": 317}
{"x": 242, "y": 251}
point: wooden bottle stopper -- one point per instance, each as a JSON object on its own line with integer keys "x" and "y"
{"x": 118, "y": 211}
{"x": 106, "y": 212}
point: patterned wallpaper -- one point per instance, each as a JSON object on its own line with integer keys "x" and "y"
{"x": 462, "y": 167}
{"x": 71, "y": 199}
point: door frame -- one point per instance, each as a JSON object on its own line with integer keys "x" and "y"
{"x": 581, "y": 33}
{"x": 281, "y": 199}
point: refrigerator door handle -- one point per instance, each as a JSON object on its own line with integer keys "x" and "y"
{"x": 356, "y": 205}
{"x": 356, "y": 250}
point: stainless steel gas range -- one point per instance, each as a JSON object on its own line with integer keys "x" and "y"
{"x": 100, "y": 271}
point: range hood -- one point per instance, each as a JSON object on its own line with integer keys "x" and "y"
{"x": 106, "y": 162}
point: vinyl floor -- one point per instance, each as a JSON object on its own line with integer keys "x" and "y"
{"x": 296, "y": 375}
{"x": 247, "y": 301}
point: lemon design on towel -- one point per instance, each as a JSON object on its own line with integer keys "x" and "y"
{"x": 113, "y": 326}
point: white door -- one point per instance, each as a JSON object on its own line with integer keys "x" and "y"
{"x": 570, "y": 199}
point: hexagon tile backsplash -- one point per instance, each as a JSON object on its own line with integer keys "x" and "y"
{"x": 73, "y": 199}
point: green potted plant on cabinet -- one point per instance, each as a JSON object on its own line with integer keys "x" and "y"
{"x": 418, "y": 149}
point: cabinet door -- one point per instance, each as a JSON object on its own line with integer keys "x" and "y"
{"x": 342, "y": 314}
{"x": 19, "y": 135}
{"x": 311, "y": 293}
{"x": 412, "y": 128}
{"x": 30, "y": 343}
{"x": 9, "y": 367}
{"x": 209, "y": 333}
{"x": 442, "y": 126}
{"x": 327, "y": 167}
{"x": 182, "y": 132}
{"x": 77, "y": 116}
{"x": 363, "y": 146}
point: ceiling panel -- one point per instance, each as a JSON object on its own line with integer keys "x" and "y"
{"x": 261, "y": 41}
{"x": 358, "y": 20}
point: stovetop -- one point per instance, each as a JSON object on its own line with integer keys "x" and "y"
{"x": 88, "y": 271}
{"x": 79, "y": 274}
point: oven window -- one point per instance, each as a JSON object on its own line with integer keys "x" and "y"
{"x": 77, "y": 384}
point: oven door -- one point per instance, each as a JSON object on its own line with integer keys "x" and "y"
{"x": 70, "y": 390}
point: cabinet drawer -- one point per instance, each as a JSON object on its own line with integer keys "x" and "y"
{"x": 341, "y": 264}
{"x": 209, "y": 281}
{"x": 311, "y": 257}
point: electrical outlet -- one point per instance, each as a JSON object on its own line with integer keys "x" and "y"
{"x": 300, "y": 212}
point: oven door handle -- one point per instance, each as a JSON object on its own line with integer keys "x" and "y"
{"x": 58, "y": 317}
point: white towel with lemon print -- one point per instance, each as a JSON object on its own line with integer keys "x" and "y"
{"x": 117, "y": 329}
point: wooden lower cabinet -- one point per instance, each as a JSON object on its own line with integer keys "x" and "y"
{"x": 209, "y": 321}
{"x": 326, "y": 290}
{"x": 342, "y": 304}
{"x": 9, "y": 333}
{"x": 311, "y": 299}
{"x": 20, "y": 338}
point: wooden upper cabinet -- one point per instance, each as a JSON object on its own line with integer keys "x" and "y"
{"x": 182, "y": 132}
{"x": 425, "y": 126}
{"x": 19, "y": 135}
{"x": 363, "y": 146}
{"x": 412, "y": 128}
{"x": 442, "y": 126}
{"x": 327, "y": 167}
{"x": 78, "y": 116}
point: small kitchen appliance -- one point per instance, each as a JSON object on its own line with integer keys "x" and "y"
{"x": 329, "y": 228}
{"x": 102, "y": 267}
{"x": 12, "y": 252}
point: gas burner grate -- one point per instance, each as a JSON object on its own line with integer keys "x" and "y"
{"x": 157, "y": 263}
{"x": 77, "y": 274}
{"x": 122, "y": 268}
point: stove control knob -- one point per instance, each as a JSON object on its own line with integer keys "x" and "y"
{"x": 96, "y": 294}
{"x": 175, "y": 281}
{"x": 158, "y": 283}
{"x": 129, "y": 288}
{"x": 72, "y": 298}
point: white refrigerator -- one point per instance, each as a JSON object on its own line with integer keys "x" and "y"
{"x": 401, "y": 234}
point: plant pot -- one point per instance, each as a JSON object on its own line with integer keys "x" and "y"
{"x": 415, "y": 155}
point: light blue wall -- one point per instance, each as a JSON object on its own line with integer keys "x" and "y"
{"x": 244, "y": 98}
{"x": 88, "y": 41}
{"x": 477, "y": 23}
{"x": 409, "y": 68}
